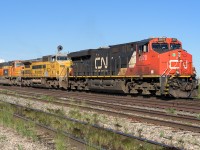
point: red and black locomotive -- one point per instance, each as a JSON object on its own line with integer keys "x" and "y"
{"x": 154, "y": 66}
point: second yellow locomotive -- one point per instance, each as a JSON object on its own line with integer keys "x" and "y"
{"x": 49, "y": 71}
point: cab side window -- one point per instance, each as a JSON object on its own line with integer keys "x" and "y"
{"x": 143, "y": 49}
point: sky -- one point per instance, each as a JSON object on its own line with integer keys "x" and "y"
{"x": 31, "y": 29}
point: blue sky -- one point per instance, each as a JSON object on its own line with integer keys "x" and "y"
{"x": 31, "y": 29}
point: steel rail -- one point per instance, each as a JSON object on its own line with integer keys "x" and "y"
{"x": 140, "y": 118}
{"x": 128, "y": 109}
{"x": 180, "y": 106}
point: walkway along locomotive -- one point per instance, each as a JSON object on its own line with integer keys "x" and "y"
{"x": 154, "y": 66}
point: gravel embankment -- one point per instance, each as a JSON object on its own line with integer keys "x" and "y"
{"x": 183, "y": 139}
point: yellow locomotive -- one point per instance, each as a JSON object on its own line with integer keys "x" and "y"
{"x": 49, "y": 71}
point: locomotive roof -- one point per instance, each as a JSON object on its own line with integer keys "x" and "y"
{"x": 80, "y": 53}
{"x": 137, "y": 42}
{"x": 87, "y": 52}
{"x": 26, "y": 62}
{"x": 9, "y": 63}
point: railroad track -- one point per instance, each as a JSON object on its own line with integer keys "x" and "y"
{"x": 178, "y": 105}
{"x": 49, "y": 138}
{"x": 48, "y": 134}
{"x": 137, "y": 114}
{"x": 20, "y": 114}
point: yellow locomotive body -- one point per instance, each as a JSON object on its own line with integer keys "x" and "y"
{"x": 50, "y": 71}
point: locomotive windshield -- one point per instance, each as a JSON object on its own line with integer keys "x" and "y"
{"x": 61, "y": 58}
{"x": 175, "y": 46}
{"x": 19, "y": 64}
{"x": 160, "y": 47}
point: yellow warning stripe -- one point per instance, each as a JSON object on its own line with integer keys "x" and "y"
{"x": 135, "y": 76}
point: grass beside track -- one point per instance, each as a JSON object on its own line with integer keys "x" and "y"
{"x": 26, "y": 128}
{"x": 101, "y": 138}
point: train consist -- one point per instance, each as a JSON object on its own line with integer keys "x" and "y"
{"x": 154, "y": 66}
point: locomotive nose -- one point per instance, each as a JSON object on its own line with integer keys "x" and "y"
{"x": 179, "y": 61}
{"x": 176, "y": 62}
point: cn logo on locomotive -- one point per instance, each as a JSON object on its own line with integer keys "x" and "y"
{"x": 175, "y": 64}
{"x": 100, "y": 62}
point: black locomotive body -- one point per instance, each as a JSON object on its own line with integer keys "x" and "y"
{"x": 105, "y": 68}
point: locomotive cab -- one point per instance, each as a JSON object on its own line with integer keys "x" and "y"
{"x": 59, "y": 57}
{"x": 17, "y": 66}
{"x": 175, "y": 67}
